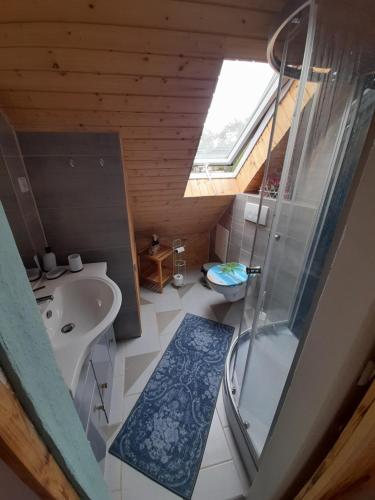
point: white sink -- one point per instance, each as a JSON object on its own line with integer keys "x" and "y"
{"x": 80, "y": 306}
{"x": 84, "y": 305}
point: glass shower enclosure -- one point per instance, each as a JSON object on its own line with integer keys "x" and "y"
{"x": 326, "y": 51}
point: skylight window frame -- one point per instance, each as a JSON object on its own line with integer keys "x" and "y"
{"x": 257, "y": 123}
{"x": 265, "y": 101}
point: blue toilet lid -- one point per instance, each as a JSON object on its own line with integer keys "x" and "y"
{"x": 229, "y": 274}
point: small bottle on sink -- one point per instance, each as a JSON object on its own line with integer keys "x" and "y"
{"x": 49, "y": 260}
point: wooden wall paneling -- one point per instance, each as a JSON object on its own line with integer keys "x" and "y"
{"x": 171, "y": 187}
{"x": 160, "y": 175}
{"x": 146, "y": 70}
{"x": 176, "y": 205}
{"x": 26, "y": 99}
{"x": 151, "y": 165}
{"x": 23, "y": 119}
{"x": 130, "y": 39}
{"x": 164, "y": 14}
{"x": 108, "y": 62}
{"x": 160, "y": 133}
{"x": 183, "y": 216}
{"x": 178, "y": 154}
{"x": 69, "y": 81}
{"x": 161, "y": 144}
{"x": 269, "y": 6}
{"x": 192, "y": 213}
{"x": 23, "y": 450}
{"x": 196, "y": 245}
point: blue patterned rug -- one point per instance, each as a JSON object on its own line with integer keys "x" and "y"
{"x": 165, "y": 435}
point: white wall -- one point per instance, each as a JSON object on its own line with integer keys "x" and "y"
{"x": 339, "y": 341}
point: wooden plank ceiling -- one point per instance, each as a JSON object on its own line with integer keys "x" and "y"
{"x": 145, "y": 68}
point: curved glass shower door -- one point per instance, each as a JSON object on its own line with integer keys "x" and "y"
{"x": 333, "y": 106}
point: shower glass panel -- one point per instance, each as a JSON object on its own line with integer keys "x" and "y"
{"x": 334, "y": 102}
{"x": 293, "y": 35}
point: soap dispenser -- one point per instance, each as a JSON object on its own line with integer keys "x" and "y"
{"x": 49, "y": 260}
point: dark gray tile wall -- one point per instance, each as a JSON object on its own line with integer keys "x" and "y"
{"x": 20, "y": 208}
{"x": 78, "y": 184}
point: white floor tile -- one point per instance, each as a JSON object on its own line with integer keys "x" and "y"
{"x": 233, "y": 316}
{"x": 220, "y": 482}
{"x": 217, "y": 450}
{"x": 149, "y": 340}
{"x": 169, "y": 332}
{"x": 129, "y": 402}
{"x": 117, "y": 400}
{"x": 112, "y": 473}
{"x": 198, "y": 301}
{"x": 174, "y": 324}
{"x": 245, "y": 482}
{"x": 165, "y": 340}
{"x": 136, "y": 486}
{"x": 169, "y": 300}
{"x": 193, "y": 275}
{"x": 119, "y": 368}
{"x": 116, "y": 495}
{"x": 141, "y": 381}
{"x": 221, "y": 409}
{"x": 222, "y": 476}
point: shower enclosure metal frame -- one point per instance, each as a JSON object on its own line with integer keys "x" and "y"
{"x": 232, "y": 399}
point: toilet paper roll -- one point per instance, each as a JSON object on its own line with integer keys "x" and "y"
{"x": 178, "y": 279}
{"x": 179, "y": 249}
{"x": 75, "y": 262}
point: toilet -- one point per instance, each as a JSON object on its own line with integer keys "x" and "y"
{"x": 229, "y": 279}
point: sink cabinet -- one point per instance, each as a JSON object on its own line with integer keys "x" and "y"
{"x": 93, "y": 395}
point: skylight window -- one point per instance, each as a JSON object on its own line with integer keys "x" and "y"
{"x": 241, "y": 89}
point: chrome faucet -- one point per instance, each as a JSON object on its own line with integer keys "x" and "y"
{"x": 44, "y": 298}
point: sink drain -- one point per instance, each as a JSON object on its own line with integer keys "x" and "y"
{"x": 67, "y": 328}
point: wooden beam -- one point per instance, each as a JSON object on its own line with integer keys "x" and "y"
{"x": 23, "y": 451}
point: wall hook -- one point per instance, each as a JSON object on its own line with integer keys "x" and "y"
{"x": 71, "y": 163}
{"x": 101, "y": 162}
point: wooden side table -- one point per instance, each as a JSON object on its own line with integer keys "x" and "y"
{"x": 158, "y": 273}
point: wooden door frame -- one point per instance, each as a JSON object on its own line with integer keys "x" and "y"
{"x": 22, "y": 449}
